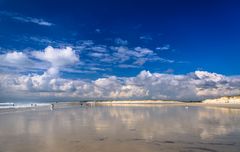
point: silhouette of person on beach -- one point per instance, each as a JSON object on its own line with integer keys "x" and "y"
{"x": 52, "y": 106}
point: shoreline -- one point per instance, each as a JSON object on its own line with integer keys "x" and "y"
{"x": 146, "y": 103}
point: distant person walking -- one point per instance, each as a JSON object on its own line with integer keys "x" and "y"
{"x": 52, "y": 106}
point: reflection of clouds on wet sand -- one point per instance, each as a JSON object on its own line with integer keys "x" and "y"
{"x": 206, "y": 123}
{"x": 95, "y": 128}
{"x": 127, "y": 117}
{"x": 216, "y": 122}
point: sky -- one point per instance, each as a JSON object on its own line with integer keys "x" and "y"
{"x": 89, "y": 49}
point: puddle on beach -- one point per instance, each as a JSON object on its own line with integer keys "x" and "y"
{"x": 122, "y": 128}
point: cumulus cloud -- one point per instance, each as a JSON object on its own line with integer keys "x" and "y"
{"x": 13, "y": 58}
{"x": 119, "y": 55}
{"x": 57, "y": 57}
{"x": 146, "y": 85}
{"x": 19, "y": 62}
{"x": 51, "y": 59}
{"x": 193, "y": 86}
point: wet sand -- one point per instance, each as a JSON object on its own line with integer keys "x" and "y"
{"x": 136, "y": 127}
{"x": 164, "y": 103}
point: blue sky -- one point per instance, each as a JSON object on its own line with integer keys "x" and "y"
{"x": 86, "y": 41}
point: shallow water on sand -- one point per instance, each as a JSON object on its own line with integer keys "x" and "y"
{"x": 122, "y": 128}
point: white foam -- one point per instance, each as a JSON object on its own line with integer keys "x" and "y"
{"x": 21, "y": 105}
{"x": 6, "y": 104}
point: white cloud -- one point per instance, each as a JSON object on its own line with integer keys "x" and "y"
{"x": 120, "y": 41}
{"x": 33, "y": 20}
{"x": 57, "y": 57}
{"x": 145, "y": 38}
{"x": 163, "y": 48}
{"x": 118, "y": 56}
{"x": 122, "y": 55}
{"x": 19, "y": 62}
{"x": 137, "y": 56}
{"x": 13, "y": 58}
{"x": 53, "y": 59}
{"x": 127, "y": 66}
{"x": 146, "y": 85}
{"x": 26, "y": 19}
{"x": 193, "y": 86}
{"x": 99, "y": 48}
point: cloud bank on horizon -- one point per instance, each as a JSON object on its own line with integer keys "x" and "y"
{"x": 145, "y": 85}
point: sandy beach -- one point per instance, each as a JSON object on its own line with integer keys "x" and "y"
{"x": 209, "y": 103}
{"x": 122, "y": 127}
{"x": 143, "y": 103}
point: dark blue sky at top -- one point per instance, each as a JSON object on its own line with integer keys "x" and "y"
{"x": 202, "y": 34}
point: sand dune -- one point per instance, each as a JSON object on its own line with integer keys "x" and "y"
{"x": 223, "y": 100}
